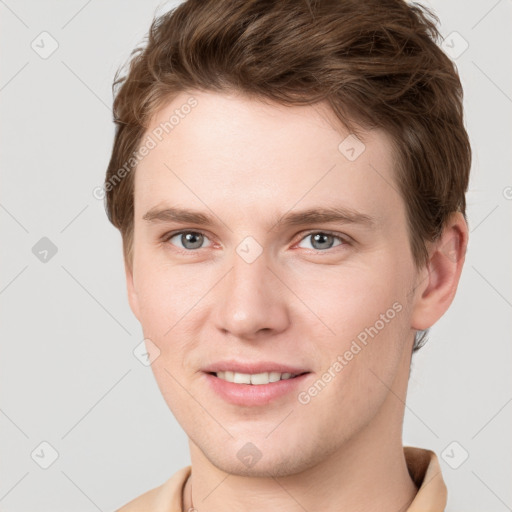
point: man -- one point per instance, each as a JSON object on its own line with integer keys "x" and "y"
{"x": 289, "y": 179}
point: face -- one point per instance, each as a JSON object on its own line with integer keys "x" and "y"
{"x": 267, "y": 243}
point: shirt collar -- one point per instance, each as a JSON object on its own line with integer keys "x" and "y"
{"x": 425, "y": 471}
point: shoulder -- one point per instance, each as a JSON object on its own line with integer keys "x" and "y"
{"x": 164, "y": 498}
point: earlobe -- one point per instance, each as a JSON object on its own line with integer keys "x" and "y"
{"x": 133, "y": 299}
{"x": 438, "y": 282}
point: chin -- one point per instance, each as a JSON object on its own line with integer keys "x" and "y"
{"x": 274, "y": 461}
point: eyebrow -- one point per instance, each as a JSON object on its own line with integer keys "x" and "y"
{"x": 293, "y": 218}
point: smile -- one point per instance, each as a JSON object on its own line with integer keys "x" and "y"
{"x": 255, "y": 379}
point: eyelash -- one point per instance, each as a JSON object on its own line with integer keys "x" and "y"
{"x": 343, "y": 240}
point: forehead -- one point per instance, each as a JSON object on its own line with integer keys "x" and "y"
{"x": 231, "y": 151}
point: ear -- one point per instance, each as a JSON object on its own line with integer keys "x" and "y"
{"x": 437, "y": 282}
{"x": 133, "y": 298}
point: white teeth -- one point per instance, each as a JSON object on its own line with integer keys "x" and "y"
{"x": 255, "y": 378}
{"x": 241, "y": 378}
{"x": 274, "y": 376}
{"x": 259, "y": 378}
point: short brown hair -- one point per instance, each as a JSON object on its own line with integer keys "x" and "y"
{"x": 375, "y": 63}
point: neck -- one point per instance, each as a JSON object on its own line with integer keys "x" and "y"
{"x": 369, "y": 474}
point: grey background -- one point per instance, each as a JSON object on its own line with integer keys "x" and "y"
{"x": 68, "y": 375}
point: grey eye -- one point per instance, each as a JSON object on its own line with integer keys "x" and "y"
{"x": 321, "y": 241}
{"x": 188, "y": 240}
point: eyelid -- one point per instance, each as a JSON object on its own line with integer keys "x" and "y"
{"x": 344, "y": 239}
{"x": 170, "y": 234}
{"x": 167, "y": 236}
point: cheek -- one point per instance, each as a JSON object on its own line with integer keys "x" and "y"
{"x": 162, "y": 299}
{"x": 155, "y": 302}
{"x": 170, "y": 303}
{"x": 358, "y": 367}
{"x": 367, "y": 311}
{"x": 162, "y": 288}
{"x": 354, "y": 301}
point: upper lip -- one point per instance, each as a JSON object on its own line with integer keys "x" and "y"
{"x": 253, "y": 367}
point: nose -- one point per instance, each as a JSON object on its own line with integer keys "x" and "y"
{"x": 250, "y": 302}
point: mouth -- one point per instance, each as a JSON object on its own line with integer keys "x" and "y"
{"x": 258, "y": 385}
{"x": 255, "y": 379}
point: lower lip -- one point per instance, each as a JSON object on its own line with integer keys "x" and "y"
{"x": 249, "y": 394}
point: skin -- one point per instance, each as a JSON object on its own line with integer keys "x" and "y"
{"x": 247, "y": 164}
